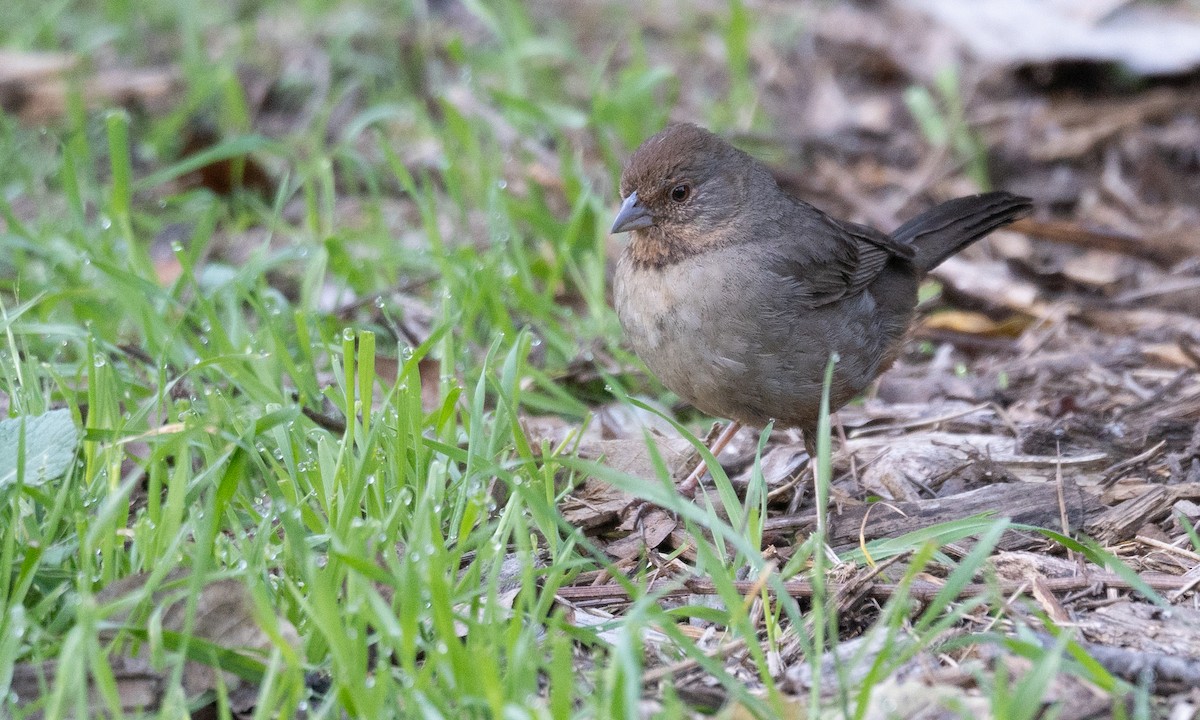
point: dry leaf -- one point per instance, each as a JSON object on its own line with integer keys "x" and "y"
{"x": 35, "y": 86}
{"x": 973, "y": 323}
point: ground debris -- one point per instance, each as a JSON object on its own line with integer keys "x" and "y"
{"x": 1053, "y": 377}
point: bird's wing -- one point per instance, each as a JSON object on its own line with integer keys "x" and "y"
{"x": 836, "y": 259}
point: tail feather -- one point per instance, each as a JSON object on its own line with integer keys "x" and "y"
{"x": 941, "y": 231}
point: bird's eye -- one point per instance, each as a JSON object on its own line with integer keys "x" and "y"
{"x": 681, "y": 192}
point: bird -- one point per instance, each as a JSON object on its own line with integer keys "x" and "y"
{"x": 735, "y": 294}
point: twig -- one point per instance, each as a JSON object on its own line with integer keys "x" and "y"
{"x": 1156, "y": 396}
{"x": 920, "y": 590}
{"x": 1062, "y": 497}
{"x": 326, "y": 422}
{"x": 1192, "y": 578}
{"x": 919, "y": 422}
{"x": 1168, "y": 547}
{"x": 1115, "y": 472}
{"x": 1169, "y": 673}
{"x": 658, "y": 673}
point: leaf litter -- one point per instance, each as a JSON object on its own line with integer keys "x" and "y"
{"x": 1051, "y": 379}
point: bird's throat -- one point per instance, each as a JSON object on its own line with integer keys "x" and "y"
{"x": 653, "y": 248}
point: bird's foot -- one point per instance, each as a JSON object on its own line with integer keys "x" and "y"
{"x": 691, "y": 483}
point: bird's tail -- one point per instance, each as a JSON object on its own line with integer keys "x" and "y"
{"x": 941, "y": 231}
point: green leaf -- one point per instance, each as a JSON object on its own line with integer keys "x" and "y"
{"x": 49, "y": 447}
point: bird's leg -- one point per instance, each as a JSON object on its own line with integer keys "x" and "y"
{"x": 809, "y": 434}
{"x": 689, "y": 485}
{"x": 841, "y": 431}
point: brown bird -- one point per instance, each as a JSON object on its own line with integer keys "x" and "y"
{"x": 735, "y": 294}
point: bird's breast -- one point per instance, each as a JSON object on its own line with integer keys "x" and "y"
{"x": 650, "y": 305}
{"x": 678, "y": 320}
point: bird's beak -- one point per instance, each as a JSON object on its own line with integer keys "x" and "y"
{"x": 631, "y": 216}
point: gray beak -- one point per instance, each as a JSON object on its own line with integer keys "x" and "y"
{"x": 631, "y": 216}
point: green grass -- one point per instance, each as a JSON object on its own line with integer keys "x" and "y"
{"x": 383, "y": 544}
{"x": 941, "y": 116}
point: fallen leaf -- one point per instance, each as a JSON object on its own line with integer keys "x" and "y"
{"x": 35, "y": 86}
{"x": 973, "y": 323}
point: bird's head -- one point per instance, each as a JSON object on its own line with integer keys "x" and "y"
{"x": 683, "y": 190}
